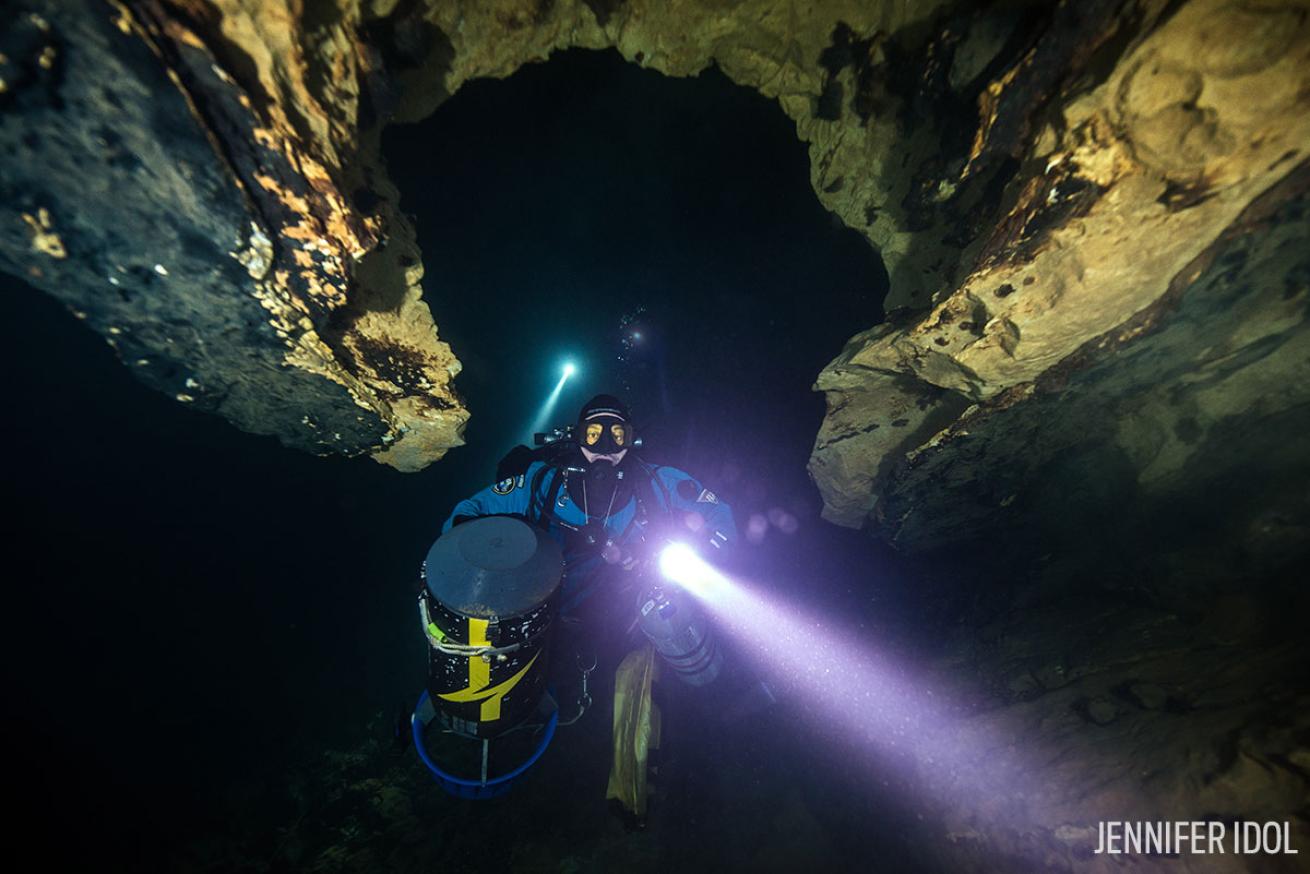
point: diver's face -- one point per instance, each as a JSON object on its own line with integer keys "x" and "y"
{"x": 613, "y": 458}
{"x": 604, "y": 436}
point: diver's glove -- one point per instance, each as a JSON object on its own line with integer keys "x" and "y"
{"x": 624, "y": 559}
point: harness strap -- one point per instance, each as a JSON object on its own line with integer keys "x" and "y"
{"x": 645, "y": 489}
{"x": 542, "y": 502}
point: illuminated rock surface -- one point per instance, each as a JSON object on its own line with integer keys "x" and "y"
{"x": 1033, "y": 180}
{"x": 1093, "y": 219}
{"x": 228, "y": 254}
{"x": 1116, "y": 218}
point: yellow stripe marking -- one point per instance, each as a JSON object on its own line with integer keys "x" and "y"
{"x": 480, "y": 677}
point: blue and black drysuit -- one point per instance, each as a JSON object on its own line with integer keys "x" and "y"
{"x": 664, "y": 501}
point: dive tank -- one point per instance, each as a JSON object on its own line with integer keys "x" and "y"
{"x": 680, "y": 633}
{"x": 487, "y": 608}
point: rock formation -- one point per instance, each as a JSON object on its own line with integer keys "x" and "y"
{"x": 1092, "y": 213}
{"x": 211, "y": 232}
{"x": 1129, "y": 187}
{"x": 1036, "y": 177}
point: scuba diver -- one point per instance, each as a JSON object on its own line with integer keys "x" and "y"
{"x": 599, "y": 500}
{"x": 587, "y": 489}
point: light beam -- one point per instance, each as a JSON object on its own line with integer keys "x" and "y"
{"x": 542, "y": 419}
{"x": 861, "y": 693}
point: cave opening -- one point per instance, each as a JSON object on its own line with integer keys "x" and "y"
{"x": 662, "y": 231}
{"x": 213, "y": 649}
{"x": 252, "y": 604}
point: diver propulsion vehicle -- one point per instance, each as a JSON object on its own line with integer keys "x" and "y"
{"x": 488, "y": 605}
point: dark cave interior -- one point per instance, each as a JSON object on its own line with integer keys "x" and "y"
{"x": 213, "y": 633}
{"x": 235, "y": 639}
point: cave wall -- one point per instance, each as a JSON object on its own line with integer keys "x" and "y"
{"x": 154, "y": 188}
{"x": 1035, "y": 175}
{"x": 292, "y": 98}
{"x": 115, "y": 202}
{"x": 1093, "y": 216}
{"x": 1122, "y": 194}
{"x": 1194, "y": 395}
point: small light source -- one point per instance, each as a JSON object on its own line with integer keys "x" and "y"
{"x": 543, "y": 414}
{"x": 679, "y": 563}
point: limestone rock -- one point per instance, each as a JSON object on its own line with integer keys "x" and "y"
{"x": 291, "y": 99}
{"x": 1152, "y": 724}
{"x": 1113, "y": 217}
{"x": 1035, "y": 176}
{"x": 1195, "y": 391}
{"x": 176, "y": 212}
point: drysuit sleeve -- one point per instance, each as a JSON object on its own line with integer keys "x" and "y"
{"x": 509, "y": 497}
{"x": 689, "y": 497}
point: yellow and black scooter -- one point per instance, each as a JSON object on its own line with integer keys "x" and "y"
{"x": 488, "y": 607}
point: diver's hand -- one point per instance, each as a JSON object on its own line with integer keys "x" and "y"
{"x": 624, "y": 559}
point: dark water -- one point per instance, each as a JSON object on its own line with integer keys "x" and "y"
{"x": 586, "y": 190}
{"x": 198, "y": 618}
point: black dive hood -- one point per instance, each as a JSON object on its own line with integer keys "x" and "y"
{"x": 604, "y": 426}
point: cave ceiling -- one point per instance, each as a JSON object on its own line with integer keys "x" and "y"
{"x": 1053, "y": 188}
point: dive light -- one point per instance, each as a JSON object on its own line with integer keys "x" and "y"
{"x": 554, "y": 435}
{"x": 672, "y": 622}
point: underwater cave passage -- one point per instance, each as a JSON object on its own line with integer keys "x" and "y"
{"x": 660, "y": 231}
{"x": 1080, "y": 606}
